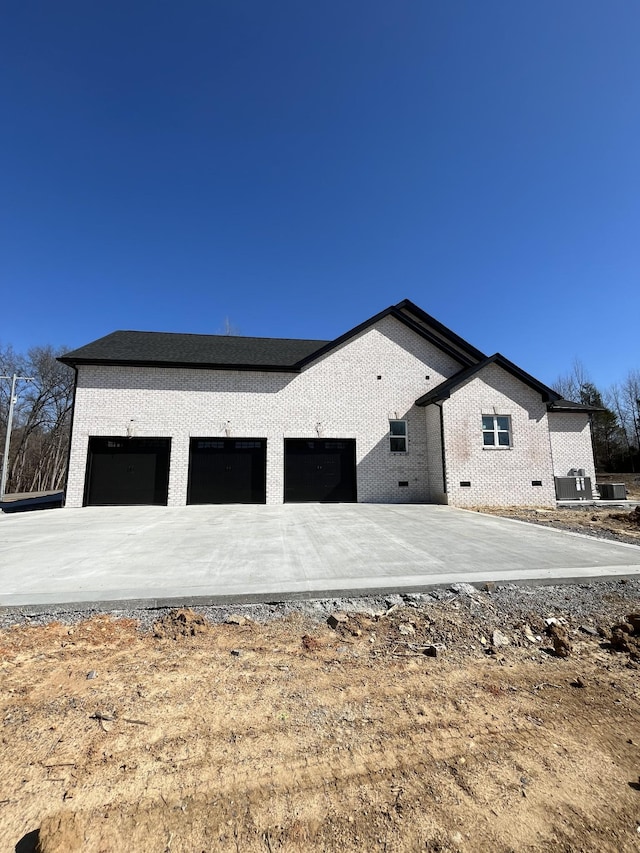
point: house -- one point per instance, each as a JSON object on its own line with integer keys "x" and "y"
{"x": 399, "y": 409}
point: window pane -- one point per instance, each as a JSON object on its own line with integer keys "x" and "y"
{"x": 503, "y": 423}
{"x": 488, "y": 439}
{"x": 398, "y": 427}
{"x": 503, "y": 439}
{"x": 487, "y": 422}
{"x": 398, "y": 445}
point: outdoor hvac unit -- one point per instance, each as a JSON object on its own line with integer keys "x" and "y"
{"x": 612, "y": 491}
{"x": 573, "y": 489}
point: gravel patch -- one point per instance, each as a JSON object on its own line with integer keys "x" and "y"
{"x": 509, "y": 605}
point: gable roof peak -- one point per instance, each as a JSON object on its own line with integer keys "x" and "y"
{"x": 444, "y": 390}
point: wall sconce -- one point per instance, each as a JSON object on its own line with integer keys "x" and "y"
{"x": 227, "y": 428}
{"x": 131, "y": 428}
{"x": 319, "y": 429}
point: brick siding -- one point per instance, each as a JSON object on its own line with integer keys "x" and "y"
{"x": 498, "y": 477}
{"x": 337, "y": 396}
{"x": 340, "y": 396}
{"x": 571, "y": 446}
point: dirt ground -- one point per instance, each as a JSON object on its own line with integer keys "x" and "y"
{"x": 605, "y": 522}
{"x": 415, "y": 728}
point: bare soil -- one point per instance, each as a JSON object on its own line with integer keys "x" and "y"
{"x": 603, "y": 522}
{"x": 414, "y": 728}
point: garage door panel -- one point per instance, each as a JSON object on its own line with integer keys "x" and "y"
{"x": 226, "y": 471}
{"x": 320, "y": 470}
{"x": 127, "y": 472}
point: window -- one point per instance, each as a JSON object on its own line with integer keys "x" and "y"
{"x": 496, "y": 431}
{"x": 398, "y": 436}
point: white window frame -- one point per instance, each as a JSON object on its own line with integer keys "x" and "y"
{"x": 496, "y": 431}
{"x": 396, "y": 437}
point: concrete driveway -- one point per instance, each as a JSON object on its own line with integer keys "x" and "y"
{"x": 208, "y": 554}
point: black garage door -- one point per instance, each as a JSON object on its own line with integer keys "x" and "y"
{"x": 227, "y": 471}
{"x": 127, "y": 471}
{"x": 319, "y": 470}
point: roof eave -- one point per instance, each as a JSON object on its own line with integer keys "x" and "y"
{"x": 195, "y": 365}
{"x": 578, "y": 409}
{"x": 472, "y": 351}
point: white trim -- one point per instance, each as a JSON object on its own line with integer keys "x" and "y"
{"x": 495, "y": 431}
{"x": 405, "y": 436}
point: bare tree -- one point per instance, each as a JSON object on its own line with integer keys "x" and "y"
{"x": 41, "y": 421}
{"x": 571, "y": 384}
{"x": 229, "y": 329}
{"x": 631, "y": 398}
{"x": 616, "y": 401}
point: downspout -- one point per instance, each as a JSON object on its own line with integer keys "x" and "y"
{"x": 444, "y": 461}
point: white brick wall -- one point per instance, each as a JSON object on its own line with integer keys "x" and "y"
{"x": 437, "y": 492}
{"x": 571, "y": 446}
{"x": 498, "y": 477}
{"x": 340, "y": 392}
{"x": 340, "y": 395}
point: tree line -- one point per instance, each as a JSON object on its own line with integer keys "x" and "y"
{"x": 616, "y": 428}
{"x": 42, "y": 417}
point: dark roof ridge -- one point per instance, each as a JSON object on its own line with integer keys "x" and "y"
{"x": 444, "y": 389}
{"x": 407, "y": 304}
{"x": 392, "y": 311}
{"x": 130, "y": 347}
{"x": 207, "y": 335}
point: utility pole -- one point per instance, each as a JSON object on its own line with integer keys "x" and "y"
{"x": 7, "y": 440}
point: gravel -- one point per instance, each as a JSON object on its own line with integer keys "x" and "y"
{"x": 504, "y": 604}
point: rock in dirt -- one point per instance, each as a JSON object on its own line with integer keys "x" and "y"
{"x": 587, "y": 629}
{"x": 463, "y": 589}
{"x": 406, "y": 629}
{"x": 625, "y": 627}
{"x": 619, "y": 640}
{"x": 234, "y": 619}
{"x": 310, "y": 643}
{"x": 91, "y": 674}
{"x": 337, "y": 619}
{"x": 499, "y": 639}
{"x": 182, "y": 622}
{"x": 560, "y": 639}
{"x": 634, "y": 620}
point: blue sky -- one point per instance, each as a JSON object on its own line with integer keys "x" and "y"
{"x": 297, "y": 167}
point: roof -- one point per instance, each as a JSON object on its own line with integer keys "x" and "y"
{"x": 568, "y": 406}
{"x": 157, "y": 349}
{"x": 171, "y": 349}
{"x": 443, "y": 391}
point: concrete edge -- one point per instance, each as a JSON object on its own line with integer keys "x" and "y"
{"x": 164, "y": 603}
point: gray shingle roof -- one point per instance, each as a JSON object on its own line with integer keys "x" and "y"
{"x": 157, "y": 349}
{"x": 171, "y": 348}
